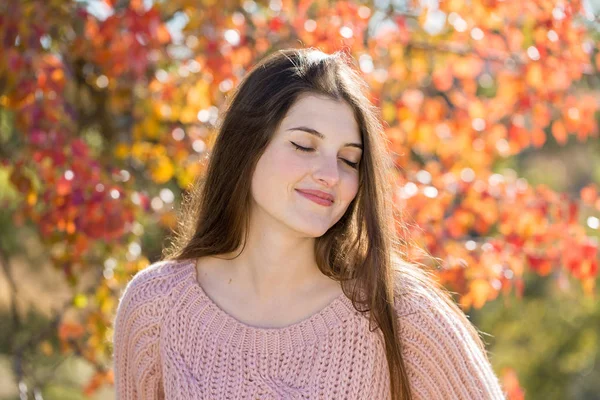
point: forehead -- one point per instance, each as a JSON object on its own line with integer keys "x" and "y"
{"x": 328, "y": 116}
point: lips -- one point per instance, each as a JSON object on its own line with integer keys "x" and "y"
{"x": 325, "y": 198}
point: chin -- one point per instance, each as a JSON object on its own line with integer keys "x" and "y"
{"x": 310, "y": 231}
{"x": 314, "y": 230}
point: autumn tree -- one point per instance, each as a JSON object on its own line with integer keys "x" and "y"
{"x": 108, "y": 111}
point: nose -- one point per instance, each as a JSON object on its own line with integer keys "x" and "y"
{"x": 327, "y": 172}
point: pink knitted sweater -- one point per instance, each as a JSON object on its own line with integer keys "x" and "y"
{"x": 171, "y": 341}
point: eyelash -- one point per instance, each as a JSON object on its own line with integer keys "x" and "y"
{"x": 308, "y": 150}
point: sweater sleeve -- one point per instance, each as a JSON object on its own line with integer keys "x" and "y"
{"x": 137, "y": 367}
{"x": 443, "y": 359}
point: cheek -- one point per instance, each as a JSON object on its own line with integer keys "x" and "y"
{"x": 350, "y": 189}
{"x": 276, "y": 165}
{"x": 288, "y": 165}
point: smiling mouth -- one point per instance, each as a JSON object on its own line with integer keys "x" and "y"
{"x": 321, "y": 199}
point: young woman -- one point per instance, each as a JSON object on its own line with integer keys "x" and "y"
{"x": 285, "y": 280}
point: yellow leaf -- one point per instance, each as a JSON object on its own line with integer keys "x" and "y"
{"x": 80, "y": 301}
{"x": 186, "y": 177}
{"x": 151, "y": 128}
{"x": 389, "y": 111}
{"x": 140, "y": 151}
{"x": 589, "y": 286}
{"x": 198, "y": 96}
{"x": 121, "y": 151}
{"x": 162, "y": 170}
{"x": 476, "y": 109}
{"x": 467, "y": 67}
{"x": 107, "y": 305}
{"x": 188, "y": 115}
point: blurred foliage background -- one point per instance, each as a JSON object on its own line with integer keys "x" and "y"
{"x": 107, "y": 114}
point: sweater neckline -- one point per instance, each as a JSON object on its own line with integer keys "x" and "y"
{"x": 335, "y": 312}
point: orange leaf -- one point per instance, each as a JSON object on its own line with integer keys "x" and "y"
{"x": 162, "y": 34}
{"x": 559, "y": 132}
{"x": 538, "y": 137}
{"x": 541, "y": 265}
{"x": 467, "y": 67}
{"x": 137, "y": 5}
{"x": 541, "y": 115}
{"x": 97, "y": 380}
{"x": 46, "y": 348}
{"x": 443, "y": 79}
{"x": 534, "y": 75}
{"x": 413, "y": 99}
{"x": 70, "y": 330}
{"x": 589, "y": 194}
{"x": 519, "y": 137}
{"x": 480, "y": 290}
{"x": 510, "y": 382}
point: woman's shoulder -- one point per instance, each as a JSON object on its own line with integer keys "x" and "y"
{"x": 422, "y": 303}
{"x": 415, "y": 289}
{"x": 158, "y": 275}
{"x": 155, "y": 283}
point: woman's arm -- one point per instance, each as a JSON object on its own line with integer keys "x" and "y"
{"x": 137, "y": 367}
{"x": 443, "y": 359}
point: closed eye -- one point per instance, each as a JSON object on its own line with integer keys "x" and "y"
{"x": 350, "y": 163}
{"x": 310, "y": 149}
{"x": 307, "y": 149}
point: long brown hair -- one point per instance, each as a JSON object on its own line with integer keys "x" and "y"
{"x": 357, "y": 251}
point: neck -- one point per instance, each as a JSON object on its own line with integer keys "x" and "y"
{"x": 274, "y": 264}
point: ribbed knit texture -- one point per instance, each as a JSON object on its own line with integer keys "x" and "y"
{"x": 171, "y": 341}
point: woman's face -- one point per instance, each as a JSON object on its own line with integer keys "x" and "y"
{"x": 308, "y": 174}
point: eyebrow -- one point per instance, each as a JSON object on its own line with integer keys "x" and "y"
{"x": 321, "y": 136}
